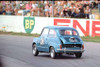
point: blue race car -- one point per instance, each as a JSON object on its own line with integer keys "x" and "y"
{"x": 57, "y": 40}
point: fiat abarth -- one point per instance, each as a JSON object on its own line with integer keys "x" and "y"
{"x": 57, "y": 40}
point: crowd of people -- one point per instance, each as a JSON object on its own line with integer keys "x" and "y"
{"x": 74, "y": 9}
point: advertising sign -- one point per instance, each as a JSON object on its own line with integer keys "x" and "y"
{"x": 29, "y": 23}
{"x": 84, "y": 27}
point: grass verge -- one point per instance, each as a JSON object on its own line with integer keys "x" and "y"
{"x": 20, "y": 34}
{"x": 91, "y": 39}
{"x": 84, "y": 38}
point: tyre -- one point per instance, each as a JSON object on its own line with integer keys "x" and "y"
{"x": 34, "y": 50}
{"x": 52, "y": 53}
{"x": 78, "y": 55}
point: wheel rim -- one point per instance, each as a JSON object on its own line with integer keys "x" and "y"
{"x": 34, "y": 49}
{"x": 52, "y": 53}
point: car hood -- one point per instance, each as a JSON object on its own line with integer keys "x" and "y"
{"x": 71, "y": 40}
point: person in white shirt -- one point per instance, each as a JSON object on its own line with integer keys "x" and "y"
{"x": 72, "y": 8}
{"x": 87, "y": 12}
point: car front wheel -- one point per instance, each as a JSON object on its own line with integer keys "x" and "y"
{"x": 34, "y": 50}
{"x": 52, "y": 53}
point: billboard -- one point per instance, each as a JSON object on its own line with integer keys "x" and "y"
{"x": 85, "y": 27}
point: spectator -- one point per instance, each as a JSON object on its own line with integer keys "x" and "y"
{"x": 17, "y": 7}
{"x": 77, "y": 11}
{"x": 22, "y": 9}
{"x": 0, "y": 8}
{"x": 1, "y": 12}
{"x": 12, "y": 6}
{"x": 46, "y": 9}
{"x": 40, "y": 8}
{"x": 62, "y": 9}
{"x": 3, "y": 5}
{"x": 72, "y": 8}
{"x": 28, "y": 8}
{"x": 50, "y": 10}
{"x": 99, "y": 6}
{"x": 55, "y": 9}
{"x": 59, "y": 8}
{"x": 8, "y": 9}
{"x": 87, "y": 12}
{"x": 81, "y": 13}
{"x": 91, "y": 5}
{"x": 66, "y": 11}
{"x": 34, "y": 8}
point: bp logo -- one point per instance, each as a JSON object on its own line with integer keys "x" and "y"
{"x": 29, "y": 23}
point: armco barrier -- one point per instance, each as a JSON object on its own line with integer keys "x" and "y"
{"x": 23, "y": 24}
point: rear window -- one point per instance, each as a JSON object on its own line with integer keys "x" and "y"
{"x": 67, "y": 32}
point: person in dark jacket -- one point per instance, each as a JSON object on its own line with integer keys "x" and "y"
{"x": 99, "y": 6}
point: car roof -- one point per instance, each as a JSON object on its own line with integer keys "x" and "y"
{"x": 60, "y": 27}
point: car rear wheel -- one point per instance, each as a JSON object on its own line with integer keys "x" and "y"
{"x": 52, "y": 53}
{"x": 34, "y": 50}
{"x": 78, "y": 55}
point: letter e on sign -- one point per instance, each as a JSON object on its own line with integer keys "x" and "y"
{"x": 95, "y": 28}
{"x": 61, "y": 22}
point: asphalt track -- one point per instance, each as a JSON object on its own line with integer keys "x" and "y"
{"x": 16, "y": 51}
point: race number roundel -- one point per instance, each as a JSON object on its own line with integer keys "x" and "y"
{"x": 42, "y": 41}
{"x": 29, "y": 23}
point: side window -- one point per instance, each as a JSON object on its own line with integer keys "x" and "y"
{"x": 45, "y": 32}
{"x": 52, "y": 33}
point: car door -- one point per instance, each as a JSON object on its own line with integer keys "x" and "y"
{"x": 43, "y": 40}
{"x": 52, "y": 38}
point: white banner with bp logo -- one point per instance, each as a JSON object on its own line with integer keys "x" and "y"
{"x": 36, "y": 24}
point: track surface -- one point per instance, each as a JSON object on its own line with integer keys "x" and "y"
{"x": 15, "y": 51}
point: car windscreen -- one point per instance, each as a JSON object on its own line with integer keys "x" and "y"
{"x": 68, "y": 32}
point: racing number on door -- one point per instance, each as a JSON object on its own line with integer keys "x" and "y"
{"x": 42, "y": 41}
{"x": 28, "y": 24}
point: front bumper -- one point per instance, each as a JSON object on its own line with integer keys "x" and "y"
{"x": 71, "y": 50}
